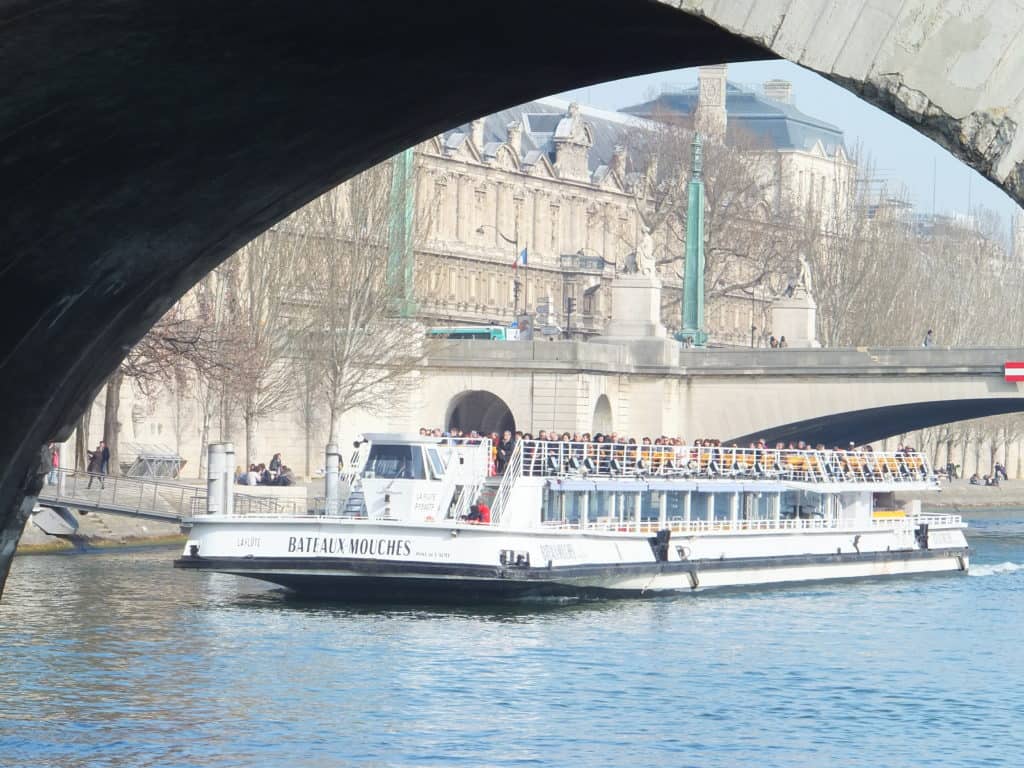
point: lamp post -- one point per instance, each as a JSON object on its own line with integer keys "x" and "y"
{"x": 693, "y": 331}
{"x": 514, "y": 241}
{"x": 753, "y": 328}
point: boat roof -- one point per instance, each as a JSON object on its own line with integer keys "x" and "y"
{"x": 401, "y": 438}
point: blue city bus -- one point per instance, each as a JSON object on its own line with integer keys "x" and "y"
{"x": 485, "y": 332}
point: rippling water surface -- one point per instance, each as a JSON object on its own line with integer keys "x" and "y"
{"x": 118, "y": 660}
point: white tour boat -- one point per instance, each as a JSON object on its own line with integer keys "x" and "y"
{"x": 581, "y": 519}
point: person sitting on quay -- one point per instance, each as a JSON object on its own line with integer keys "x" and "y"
{"x": 275, "y": 463}
{"x": 974, "y": 479}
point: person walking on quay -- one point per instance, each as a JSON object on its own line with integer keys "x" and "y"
{"x": 104, "y": 458}
{"x": 54, "y": 464}
{"x": 929, "y": 339}
{"x": 95, "y": 465}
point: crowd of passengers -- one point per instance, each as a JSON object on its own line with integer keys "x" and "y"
{"x": 552, "y": 453}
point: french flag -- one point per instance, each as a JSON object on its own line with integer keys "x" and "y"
{"x": 1013, "y": 371}
{"x": 521, "y": 259}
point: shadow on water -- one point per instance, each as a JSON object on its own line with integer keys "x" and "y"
{"x": 531, "y": 608}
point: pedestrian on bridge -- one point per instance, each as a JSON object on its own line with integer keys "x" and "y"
{"x": 94, "y": 467}
{"x": 929, "y": 339}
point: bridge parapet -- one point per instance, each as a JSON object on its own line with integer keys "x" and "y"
{"x": 641, "y": 357}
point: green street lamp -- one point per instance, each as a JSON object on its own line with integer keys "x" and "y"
{"x": 693, "y": 332}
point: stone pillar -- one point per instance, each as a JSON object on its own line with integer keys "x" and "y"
{"x": 229, "y": 478}
{"x": 215, "y": 479}
{"x": 710, "y": 116}
{"x": 636, "y": 307}
{"x": 476, "y": 133}
{"x": 331, "y": 478}
{"x": 515, "y": 137}
{"x": 795, "y": 317}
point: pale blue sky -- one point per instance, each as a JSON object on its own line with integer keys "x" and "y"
{"x": 900, "y": 154}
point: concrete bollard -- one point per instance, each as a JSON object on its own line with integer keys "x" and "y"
{"x": 331, "y": 480}
{"x": 215, "y": 479}
{"x": 229, "y": 478}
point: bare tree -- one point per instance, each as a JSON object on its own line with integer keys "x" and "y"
{"x": 308, "y": 382}
{"x": 752, "y": 234}
{"x": 178, "y": 340}
{"x": 260, "y": 282}
{"x": 365, "y": 350}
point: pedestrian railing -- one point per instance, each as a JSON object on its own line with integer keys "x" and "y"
{"x": 154, "y": 499}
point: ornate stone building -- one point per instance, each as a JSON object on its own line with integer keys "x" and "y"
{"x": 545, "y": 178}
{"x": 555, "y": 179}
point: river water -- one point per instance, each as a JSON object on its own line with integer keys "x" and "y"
{"x": 115, "y": 659}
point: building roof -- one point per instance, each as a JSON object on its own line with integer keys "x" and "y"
{"x": 781, "y": 125}
{"x": 546, "y": 120}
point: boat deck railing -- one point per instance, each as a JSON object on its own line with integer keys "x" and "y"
{"x": 680, "y": 526}
{"x": 541, "y": 458}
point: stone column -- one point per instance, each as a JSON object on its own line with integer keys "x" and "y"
{"x": 215, "y": 479}
{"x": 229, "y": 478}
{"x": 331, "y": 478}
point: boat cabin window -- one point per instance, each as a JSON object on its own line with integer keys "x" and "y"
{"x": 802, "y": 505}
{"x": 397, "y": 462}
{"x": 437, "y": 466}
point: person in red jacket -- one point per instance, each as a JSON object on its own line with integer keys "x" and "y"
{"x": 480, "y": 514}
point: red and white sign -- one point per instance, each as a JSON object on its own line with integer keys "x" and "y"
{"x": 1013, "y": 371}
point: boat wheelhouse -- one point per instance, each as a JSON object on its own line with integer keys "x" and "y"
{"x": 585, "y": 519}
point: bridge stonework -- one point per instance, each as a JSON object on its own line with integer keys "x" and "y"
{"x": 950, "y": 70}
{"x": 825, "y": 395}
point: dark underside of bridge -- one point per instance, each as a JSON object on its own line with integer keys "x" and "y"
{"x": 143, "y": 142}
{"x": 871, "y": 424}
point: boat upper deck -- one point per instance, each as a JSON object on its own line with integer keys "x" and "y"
{"x": 621, "y": 461}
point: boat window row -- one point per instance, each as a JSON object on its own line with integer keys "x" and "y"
{"x": 609, "y": 507}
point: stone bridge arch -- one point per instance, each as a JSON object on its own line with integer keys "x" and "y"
{"x": 869, "y": 425}
{"x": 136, "y": 158}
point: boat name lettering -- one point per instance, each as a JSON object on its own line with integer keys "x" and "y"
{"x": 558, "y": 552}
{"x": 249, "y": 542}
{"x": 336, "y": 545}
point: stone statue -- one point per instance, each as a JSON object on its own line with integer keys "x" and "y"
{"x": 645, "y": 254}
{"x": 803, "y": 280}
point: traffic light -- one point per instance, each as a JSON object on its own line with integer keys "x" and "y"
{"x": 570, "y": 304}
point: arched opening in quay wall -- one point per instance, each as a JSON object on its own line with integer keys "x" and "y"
{"x": 479, "y": 410}
{"x": 603, "y": 421}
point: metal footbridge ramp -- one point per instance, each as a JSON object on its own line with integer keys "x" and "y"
{"x": 162, "y": 500}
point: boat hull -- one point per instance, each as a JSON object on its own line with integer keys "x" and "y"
{"x": 373, "y": 580}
